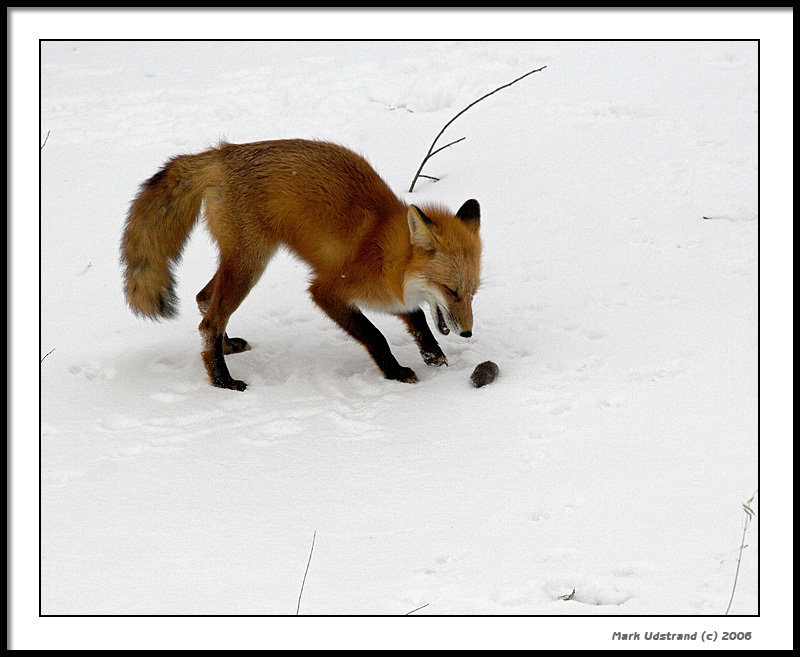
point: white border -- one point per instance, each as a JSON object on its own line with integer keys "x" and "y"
{"x": 26, "y": 27}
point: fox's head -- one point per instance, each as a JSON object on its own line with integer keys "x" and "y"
{"x": 446, "y": 264}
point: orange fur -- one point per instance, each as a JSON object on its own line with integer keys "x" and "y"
{"x": 365, "y": 247}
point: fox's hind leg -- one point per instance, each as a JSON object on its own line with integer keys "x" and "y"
{"x": 229, "y": 345}
{"x": 236, "y": 276}
{"x": 417, "y": 326}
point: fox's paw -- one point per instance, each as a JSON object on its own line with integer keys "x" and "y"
{"x": 434, "y": 358}
{"x": 404, "y": 374}
{"x": 234, "y": 345}
{"x": 241, "y": 386}
{"x": 230, "y": 384}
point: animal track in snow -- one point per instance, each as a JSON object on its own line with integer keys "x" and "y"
{"x": 595, "y": 591}
{"x": 93, "y": 370}
{"x": 542, "y": 513}
{"x": 669, "y": 371}
{"x": 610, "y": 402}
{"x": 561, "y": 407}
{"x": 442, "y": 564}
{"x": 545, "y": 434}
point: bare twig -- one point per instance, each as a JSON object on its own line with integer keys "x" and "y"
{"x": 567, "y": 596}
{"x": 431, "y": 152}
{"x": 748, "y": 516}
{"x": 417, "y": 609}
{"x": 46, "y": 137}
{"x": 46, "y": 355}
{"x": 445, "y": 146}
{"x": 302, "y": 586}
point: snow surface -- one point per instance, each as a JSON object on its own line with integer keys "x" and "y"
{"x": 611, "y": 456}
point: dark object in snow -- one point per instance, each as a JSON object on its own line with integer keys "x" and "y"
{"x": 484, "y": 373}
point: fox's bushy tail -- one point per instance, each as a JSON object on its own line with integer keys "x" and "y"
{"x": 159, "y": 222}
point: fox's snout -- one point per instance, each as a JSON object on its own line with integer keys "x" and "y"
{"x": 447, "y": 320}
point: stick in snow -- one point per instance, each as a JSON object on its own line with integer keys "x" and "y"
{"x": 432, "y": 152}
{"x": 417, "y": 609}
{"x": 302, "y": 586}
{"x": 748, "y": 516}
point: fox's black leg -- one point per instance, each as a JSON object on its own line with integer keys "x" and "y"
{"x": 215, "y": 365}
{"x": 229, "y": 345}
{"x": 234, "y": 279}
{"x": 360, "y": 328}
{"x": 234, "y": 345}
{"x": 430, "y": 350}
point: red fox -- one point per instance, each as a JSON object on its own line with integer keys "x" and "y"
{"x": 326, "y": 204}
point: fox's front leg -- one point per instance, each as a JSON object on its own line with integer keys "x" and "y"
{"x": 359, "y": 327}
{"x": 430, "y": 350}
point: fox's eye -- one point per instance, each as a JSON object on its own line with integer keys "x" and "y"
{"x": 451, "y": 292}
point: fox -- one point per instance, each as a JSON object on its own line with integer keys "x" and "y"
{"x": 366, "y": 248}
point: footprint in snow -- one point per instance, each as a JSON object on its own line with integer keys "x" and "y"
{"x": 610, "y": 402}
{"x": 561, "y": 407}
{"x": 669, "y": 371}
{"x": 93, "y": 371}
{"x": 594, "y": 591}
{"x": 442, "y": 564}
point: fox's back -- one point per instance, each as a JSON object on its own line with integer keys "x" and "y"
{"x": 306, "y": 191}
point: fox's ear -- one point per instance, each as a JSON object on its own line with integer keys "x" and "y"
{"x": 421, "y": 229}
{"x": 470, "y": 213}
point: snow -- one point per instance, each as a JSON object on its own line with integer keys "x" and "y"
{"x": 611, "y": 456}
